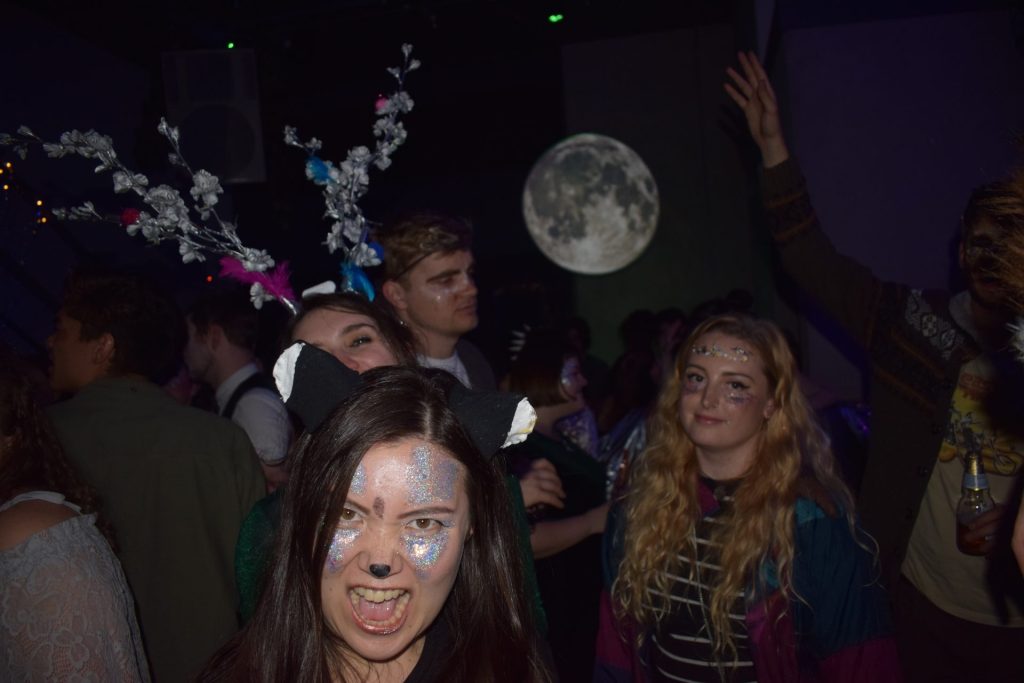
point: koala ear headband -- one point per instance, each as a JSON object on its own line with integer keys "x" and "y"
{"x": 313, "y": 383}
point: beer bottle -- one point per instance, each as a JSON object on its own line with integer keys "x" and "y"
{"x": 975, "y": 500}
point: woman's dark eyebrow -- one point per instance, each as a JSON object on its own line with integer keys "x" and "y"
{"x": 356, "y": 326}
{"x": 357, "y": 507}
{"x": 424, "y": 512}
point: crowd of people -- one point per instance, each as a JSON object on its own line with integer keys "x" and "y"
{"x": 378, "y": 506}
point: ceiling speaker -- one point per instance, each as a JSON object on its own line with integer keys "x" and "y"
{"x": 213, "y": 98}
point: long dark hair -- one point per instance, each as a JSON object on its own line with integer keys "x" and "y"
{"x": 31, "y": 457}
{"x": 487, "y": 612}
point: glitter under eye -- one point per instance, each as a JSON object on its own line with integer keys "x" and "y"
{"x": 425, "y": 552}
{"x": 342, "y": 541}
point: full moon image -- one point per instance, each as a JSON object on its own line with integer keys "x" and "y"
{"x": 591, "y": 204}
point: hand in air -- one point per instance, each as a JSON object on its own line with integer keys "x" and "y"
{"x": 541, "y": 485}
{"x": 753, "y": 92}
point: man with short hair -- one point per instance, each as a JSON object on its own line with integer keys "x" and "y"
{"x": 175, "y": 481}
{"x": 221, "y": 352}
{"x": 428, "y": 280}
{"x": 943, "y": 387}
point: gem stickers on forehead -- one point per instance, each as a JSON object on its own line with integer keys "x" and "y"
{"x": 736, "y": 353}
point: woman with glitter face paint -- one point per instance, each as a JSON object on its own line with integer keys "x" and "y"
{"x": 397, "y": 558}
{"x": 362, "y": 336}
{"x": 566, "y": 542}
{"x": 740, "y": 558}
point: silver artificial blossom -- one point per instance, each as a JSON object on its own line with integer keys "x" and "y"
{"x": 345, "y": 183}
{"x": 171, "y": 218}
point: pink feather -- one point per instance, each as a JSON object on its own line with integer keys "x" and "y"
{"x": 274, "y": 283}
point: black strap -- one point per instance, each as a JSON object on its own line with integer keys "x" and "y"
{"x": 257, "y": 381}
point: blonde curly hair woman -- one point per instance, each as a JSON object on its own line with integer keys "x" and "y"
{"x": 740, "y": 556}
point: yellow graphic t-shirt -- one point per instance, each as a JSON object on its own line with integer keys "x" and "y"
{"x": 953, "y": 581}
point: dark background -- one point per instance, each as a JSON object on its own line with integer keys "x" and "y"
{"x": 895, "y": 110}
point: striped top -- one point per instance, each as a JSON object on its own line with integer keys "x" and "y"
{"x": 681, "y": 649}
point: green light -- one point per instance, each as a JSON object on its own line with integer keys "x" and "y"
{"x": 555, "y": 18}
{"x": 231, "y": 46}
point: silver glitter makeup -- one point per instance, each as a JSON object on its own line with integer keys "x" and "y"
{"x": 425, "y": 552}
{"x": 358, "y": 485}
{"x": 736, "y": 353}
{"x": 430, "y": 479}
{"x": 342, "y": 541}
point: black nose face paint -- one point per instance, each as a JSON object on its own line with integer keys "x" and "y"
{"x": 381, "y": 571}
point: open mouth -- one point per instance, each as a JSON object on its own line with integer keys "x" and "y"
{"x": 380, "y": 612}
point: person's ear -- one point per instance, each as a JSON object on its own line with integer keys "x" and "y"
{"x": 962, "y": 253}
{"x": 214, "y": 336}
{"x": 103, "y": 350}
{"x": 395, "y": 294}
{"x": 769, "y": 409}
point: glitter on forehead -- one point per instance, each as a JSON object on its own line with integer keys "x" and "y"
{"x": 342, "y": 541}
{"x": 736, "y": 353}
{"x": 358, "y": 485}
{"x": 430, "y": 479}
{"x": 425, "y": 552}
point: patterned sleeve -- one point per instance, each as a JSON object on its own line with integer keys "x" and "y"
{"x": 65, "y": 610}
{"x": 842, "y": 612}
{"x": 846, "y": 289}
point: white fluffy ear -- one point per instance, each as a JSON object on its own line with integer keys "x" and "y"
{"x": 284, "y": 369}
{"x": 522, "y": 424}
{"x": 325, "y": 287}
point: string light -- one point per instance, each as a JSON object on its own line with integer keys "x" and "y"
{"x": 231, "y": 45}
{"x": 555, "y": 18}
{"x": 209, "y": 278}
{"x": 39, "y": 202}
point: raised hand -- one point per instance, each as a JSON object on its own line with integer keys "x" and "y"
{"x": 753, "y": 92}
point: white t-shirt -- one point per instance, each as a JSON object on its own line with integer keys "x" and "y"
{"x": 261, "y": 414}
{"x": 452, "y": 364}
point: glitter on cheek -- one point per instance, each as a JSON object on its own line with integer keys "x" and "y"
{"x": 738, "y": 399}
{"x": 425, "y": 552}
{"x": 358, "y": 485}
{"x": 342, "y": 541}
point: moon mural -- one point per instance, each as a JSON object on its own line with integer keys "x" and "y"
{"x": 591, "y": 204}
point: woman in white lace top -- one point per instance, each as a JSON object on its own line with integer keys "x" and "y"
{"x": 65, "y": 609}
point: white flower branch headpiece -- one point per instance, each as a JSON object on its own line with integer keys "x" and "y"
{"x": 345, "y": 183}
{"x": 168, "y": 217}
